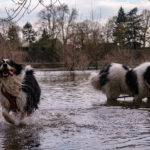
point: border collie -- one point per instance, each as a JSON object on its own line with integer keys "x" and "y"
{"x": 20, "y": 91}
{"x": 116, "y": 79}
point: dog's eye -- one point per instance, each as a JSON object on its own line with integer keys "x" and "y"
{"x": 8, "y": 62}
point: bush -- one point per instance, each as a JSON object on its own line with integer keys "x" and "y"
{"x": 45, "y": 50}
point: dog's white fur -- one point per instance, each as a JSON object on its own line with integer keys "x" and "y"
{"x": 12, "y": 84}
{"x": 116, "y": 84}
{"x": 144, "y": 87}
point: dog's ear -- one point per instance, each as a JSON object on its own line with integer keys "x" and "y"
{"x": 18, "y": 67}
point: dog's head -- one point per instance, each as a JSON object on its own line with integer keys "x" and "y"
{"x": 9, "y": 68}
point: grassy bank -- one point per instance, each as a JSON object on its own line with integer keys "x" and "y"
{"x": 126, "y": 57}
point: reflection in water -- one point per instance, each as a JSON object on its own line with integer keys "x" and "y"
{"x": 71, "y": 117}
{"x": 20, "y": 138}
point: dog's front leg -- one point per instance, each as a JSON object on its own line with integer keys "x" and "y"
{"x": 22, "y": 117}
{"x": 137, "y": 101}
{"x": 9, "y": 118}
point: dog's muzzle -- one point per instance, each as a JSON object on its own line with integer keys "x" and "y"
{"x": 5, "y": 71}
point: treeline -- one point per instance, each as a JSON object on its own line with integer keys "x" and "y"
{"x": 131, "y": 29}
{"x": 58, "y": 36}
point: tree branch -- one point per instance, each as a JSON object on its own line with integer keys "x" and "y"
{"x": 24, "y": 6}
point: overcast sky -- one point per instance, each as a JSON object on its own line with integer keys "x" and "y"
{"x": 102, "y": 9}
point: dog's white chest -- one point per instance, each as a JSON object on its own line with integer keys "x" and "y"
{"x": 12, "y": 85}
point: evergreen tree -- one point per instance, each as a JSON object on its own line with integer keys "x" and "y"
{"x": 119, "y": 32}
{"x": 45, "y": 49}
{"x": 29, "y": 34}
{"x": 134, "y": 29}
{"x": 132, "y": 12}
{"x": 121, "y": 16}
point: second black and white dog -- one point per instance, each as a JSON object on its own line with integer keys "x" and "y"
{"x": 116, "y": 79}
{"x": 20, "y": 91}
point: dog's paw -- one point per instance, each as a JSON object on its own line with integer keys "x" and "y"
{"x": 23, "y": 123}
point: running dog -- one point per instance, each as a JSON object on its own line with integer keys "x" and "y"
{"x": 116, "y": 79}
{"x": 20, "y": 91}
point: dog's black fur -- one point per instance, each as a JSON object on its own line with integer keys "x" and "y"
{"x": 131, "y": 81}
{"x": 104, "y": 75}
{"x": 31, "y": 87}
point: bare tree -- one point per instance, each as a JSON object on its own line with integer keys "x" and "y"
{"x": 108, "y": 30}
{"x": 48, "y": 18}
{"x": 4, "y": 26}
{"x": 66, "y": 22}
{"x": 88, "y": 40}
{"x": 58, "y": 22}
{"x": 7, "y": 51}
{"x": 75, "y": 59}
{"x": 22, "y": 7}
{"x": 146, "y": 25}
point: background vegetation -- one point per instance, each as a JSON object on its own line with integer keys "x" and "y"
{"x": 61, "y": 39}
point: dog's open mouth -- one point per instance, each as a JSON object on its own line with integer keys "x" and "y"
{"x": 7, "y": 73}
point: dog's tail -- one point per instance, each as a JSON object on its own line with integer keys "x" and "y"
{"x": 32, "y": 89}
{"x": 95, "y": 80}
{"x": 29, "y": 70}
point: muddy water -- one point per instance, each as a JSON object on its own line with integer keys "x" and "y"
{"x": 71, "y": 117}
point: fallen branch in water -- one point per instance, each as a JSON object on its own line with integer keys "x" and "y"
{"x": 124, "y": 96}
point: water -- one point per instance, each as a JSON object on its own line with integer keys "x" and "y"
{"x": 71, "y": 117}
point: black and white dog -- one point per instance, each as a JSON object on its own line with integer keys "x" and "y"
{"x": 116, "y": 79}
{"x": 20, "y": 91}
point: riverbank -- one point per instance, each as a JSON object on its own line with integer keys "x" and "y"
{"x": 126, "y": 57}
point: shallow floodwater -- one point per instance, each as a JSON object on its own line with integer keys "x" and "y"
{"x": 71, "y": 117}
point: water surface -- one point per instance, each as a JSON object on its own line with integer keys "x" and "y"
{"x": 71, "y": 117}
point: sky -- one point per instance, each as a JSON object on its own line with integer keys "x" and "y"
{"x": 102, "y": 9}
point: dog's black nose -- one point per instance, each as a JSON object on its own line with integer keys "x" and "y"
{"x": 5, "y": 65}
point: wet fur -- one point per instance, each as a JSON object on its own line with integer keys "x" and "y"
{"x": 25, "y": 87}
{"x": 116, "y": 79}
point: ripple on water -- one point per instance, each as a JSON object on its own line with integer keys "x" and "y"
{"x": 70, "y": 117}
